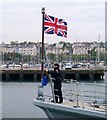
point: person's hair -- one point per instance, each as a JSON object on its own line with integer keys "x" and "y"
{"x": 56, "y": 64}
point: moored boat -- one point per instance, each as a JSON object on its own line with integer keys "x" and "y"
{"x": 81, "y": 106}
{"x": 69, "y": 110}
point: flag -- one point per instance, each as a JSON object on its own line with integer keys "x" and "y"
{"x": 54, "y": 25}
{"x": 44, "y": 80}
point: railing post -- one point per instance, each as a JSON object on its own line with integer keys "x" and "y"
{"x": 94, "y": 95}
{"x": 77, "y": 95}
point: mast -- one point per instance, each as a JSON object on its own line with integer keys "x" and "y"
{"x": 105, "y": 43}
{"x": 98, "y": 49}
{"x": 105, "y": 62}
{"x": 42, "y": 61}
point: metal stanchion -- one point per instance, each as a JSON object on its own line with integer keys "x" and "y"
{"x": 40, "y": 93}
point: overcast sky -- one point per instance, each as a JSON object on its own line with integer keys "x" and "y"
{"x": 21, "y": 20}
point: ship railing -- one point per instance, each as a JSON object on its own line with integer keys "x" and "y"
{"x": 94, "y": 94}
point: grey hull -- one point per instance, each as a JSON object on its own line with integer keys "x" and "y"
{"x": 54, "y": 111}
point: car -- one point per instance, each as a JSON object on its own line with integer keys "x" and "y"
{"x": 68, "y": 66}
{"x": 4, "y": 66}
{"x": 11, "y": 66}
{"x": 17, "y": 66}
{"x": 75, "y": 66}
{"x": 25, "y": 65}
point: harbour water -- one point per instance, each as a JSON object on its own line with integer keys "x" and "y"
{"x": 17, "y": 98}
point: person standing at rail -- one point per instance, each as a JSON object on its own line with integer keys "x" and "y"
{"x": 57, "y": 79}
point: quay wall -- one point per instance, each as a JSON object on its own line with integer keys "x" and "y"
{"x": 31, "y": 75}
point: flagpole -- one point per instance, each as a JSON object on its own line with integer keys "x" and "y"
{"x": 42, "y": 61}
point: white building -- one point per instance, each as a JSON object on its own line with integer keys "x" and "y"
{"x": 28, "y": 50}
{"x": 79, "y": 48}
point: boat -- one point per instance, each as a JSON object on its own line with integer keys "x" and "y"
{"x": 68, "y": 110}
{"x": 78, "y": 107}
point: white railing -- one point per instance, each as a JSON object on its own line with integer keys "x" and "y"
{"x": 92, "y": 93}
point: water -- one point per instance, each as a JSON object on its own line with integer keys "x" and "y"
{"x": 17, "y": 99}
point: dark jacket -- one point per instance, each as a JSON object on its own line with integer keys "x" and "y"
{"x": 57, "y": 79}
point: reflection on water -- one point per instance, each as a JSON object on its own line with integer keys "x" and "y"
{"x": 18, "y": 98}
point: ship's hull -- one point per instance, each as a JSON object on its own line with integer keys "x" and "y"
{"x": 60, "y": 111}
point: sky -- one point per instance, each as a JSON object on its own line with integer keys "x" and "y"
{"x": 21, "y": 20}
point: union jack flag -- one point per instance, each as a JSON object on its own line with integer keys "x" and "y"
{"x": 54, "y": 25}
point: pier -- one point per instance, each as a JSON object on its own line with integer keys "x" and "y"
{"x": 31, "y": 75}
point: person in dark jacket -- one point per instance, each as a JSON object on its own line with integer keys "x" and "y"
{"x": 57, "y": 84}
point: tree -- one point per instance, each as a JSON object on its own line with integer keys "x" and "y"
{"x": 12, "y": 42}
{"x": 51, "y": 57}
